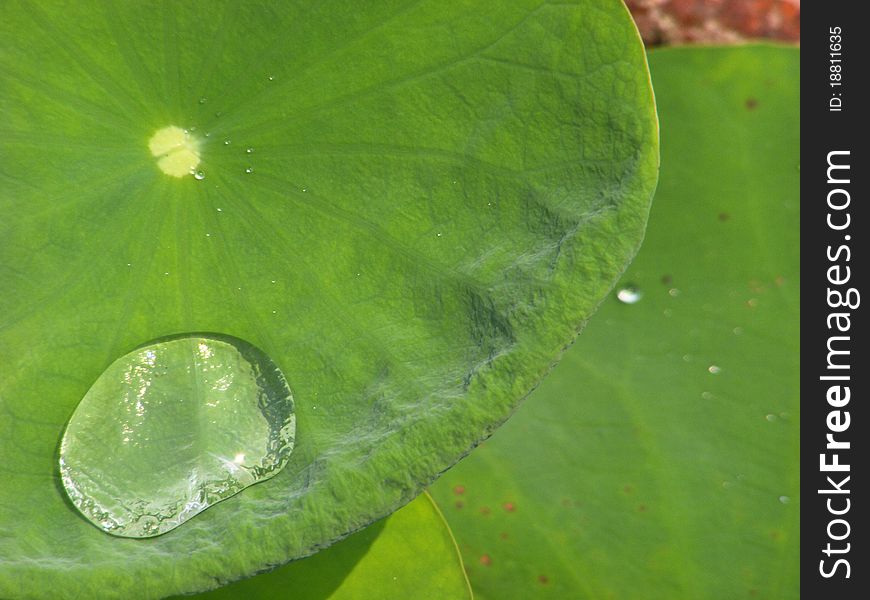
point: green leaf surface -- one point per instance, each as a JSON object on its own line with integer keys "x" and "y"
{"x": 660, "y": 458}
{"x": 409, "y": 208}
{"x": 410, "y": 554}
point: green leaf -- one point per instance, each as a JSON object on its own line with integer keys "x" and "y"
{"x": 436, "y": 196}
{"x": 660, "y": 458}
{"x": 411, "y": 554}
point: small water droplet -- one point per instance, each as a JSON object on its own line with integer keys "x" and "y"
{"x": 249, "y": 150}
{"x": 673, "y": 292}
{"x": 770, "y": 418}
{"x": 274, "y": 281}
{"x": 706, "y": 395}
{"x": 304, "y": 190}
{"x": 784, "y": 499}
{"x": 227, "y": 142}
{"x": 271, "y": 78}
{"x": 220, "y": 210}
{"x": 629, "y": 294}
{"x": 687, "y": 357}
{"x": 129, "y": 264}
{"x": 438, "y": 234}
{"x": 737, "y": 331}
{"x": 727, "y": 484}
{"x": 199, "y": 175}
{"x": 218, "y": 114}
{"x": 207, "y": 235}
{"x": 166, "y": 272}
{"x": 249, "y": 170}
{"x": 715, "y": 370}
{"x": 143, "y": 453}
{"x": 203, "y": 100}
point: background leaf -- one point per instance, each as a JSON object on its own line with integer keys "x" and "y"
{"x": 436, "y": 196}
{"x": 660, "y": 458}
{"x": 410, "y": 554}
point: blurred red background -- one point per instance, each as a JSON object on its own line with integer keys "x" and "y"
{"x": 663, "y": 22}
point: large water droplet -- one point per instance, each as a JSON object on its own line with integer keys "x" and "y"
{"x": 172, "y": 428}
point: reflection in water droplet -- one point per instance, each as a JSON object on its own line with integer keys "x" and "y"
{"x": 714, "y": 369}
{"x": 784, "y": 499}
{"x": 172, "y": 428}
{"x": 629, "y": 294}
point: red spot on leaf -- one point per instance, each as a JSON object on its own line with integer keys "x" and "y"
{"x": 628, "y": 489}
{"x": 503, "y": 535}
{"x": 459, "y": 490}
{"x": 641, "y": 508}
{"x": 459, "y": 504}
{"x": 543, "y": 579}
{"x": 509, "y": 506}
{"x": 485, "y": 510}
{"x": 751, "y": 104}
{"x": 485, "y": 560}
{"x": 724, "y": 216}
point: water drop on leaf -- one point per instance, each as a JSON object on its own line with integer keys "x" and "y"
{"x": 629, "y": 294}
{"x": 172, "y": 428}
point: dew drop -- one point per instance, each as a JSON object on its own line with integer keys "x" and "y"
{"x": 714, "y": 369}
{"x": 227, "y": 142}
{"x": 199, "y": 175}
{"x": 249, "y": 170}
{"x": 629, "y": 294}
{"x": 770, "y": 418}
{"x": 784, "y": 499}
{"x": 203, "y": 100}
{"x": 673, "y": 292}
{"x": 249, "y": 150}
{"x": 171, "y": 429}
{"x": 271, "y": 78}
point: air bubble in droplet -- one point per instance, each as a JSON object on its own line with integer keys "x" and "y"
{"x": 630, "y": 294}
{"x": 172, "y": 428}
